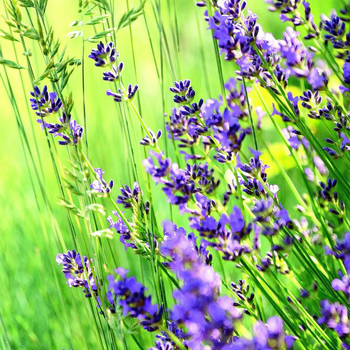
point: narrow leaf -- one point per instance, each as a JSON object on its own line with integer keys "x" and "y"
{"x": 7, "y": 36}
{"x": 101, "y": 35}
{"x": 97, "y": 20}
{"x": 131, "y": 16}
{"x": 10, "y": 64}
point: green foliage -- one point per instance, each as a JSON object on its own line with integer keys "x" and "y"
{"x": 7, "y": 36}
{"x": 131, "y": 16}
{"x": 10, "y": 64}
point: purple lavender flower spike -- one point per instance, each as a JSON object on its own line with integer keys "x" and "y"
{"x": 160, "y": 171}
{"x": 122, "y": 230}
{"x": 128, "y": 196}
{"x": 114, "y": 74}
{"x": 75, "y": 273}
{"x": 45, "y": 103}
{"x": 342, "y": 285}
{"x": 336, "y": 29}
{"x": 130, "y": 295}
{"x": 151, "y": 141}
{"x": 335, "y": 316}
{"x": 104, "y": 55}
{"x": 267, "y": 336}
{"x": 206, "y": 316}
{"x": 118, "y": 97}
{"x": 73, "y": 135}
{"x": 100, "y": 185}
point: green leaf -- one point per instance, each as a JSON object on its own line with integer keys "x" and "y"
{"x": 26, "y": 3}
{"x": 10, "y": 64}
{"x": 55, "y": 48}
{"x": 31, "y": 33}
{"x": 97, "y": 20}
{"x": 89, "y": 11}
{"x": 71, "y": 207}
{"x": 42, "y": 6}
{"x": 103, "y": 5}
{"x": 101, "y": 35}
{"x": 7, "y": 36}
{"x": 131, "y": 16}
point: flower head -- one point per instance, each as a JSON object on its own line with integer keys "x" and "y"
{"x": 130, "y": 295}
{"x": 44, "y": 102}
{"x": 104, "y": 55}
{"x": 78, "y": 271}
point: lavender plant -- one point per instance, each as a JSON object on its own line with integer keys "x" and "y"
{"x": 235, "y": 266}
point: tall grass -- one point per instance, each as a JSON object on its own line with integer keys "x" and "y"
{"x": 45, "y": 193}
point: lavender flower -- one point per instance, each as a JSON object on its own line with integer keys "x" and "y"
{"x": 290, "y": 11}
{"x": 45, "y": 103}
{"x": 157, "y": 172}
{"x": 104, "y": 55}
{"x": 129, "y": 197}
{"x": 73, "y": 135}
{"x": 183, "y": 91}
{"x": 151, "y": 141}
{"x": 206, "y": 316}
{"x": 114, "y": 74}
{"x": 336, "y": 31}
{"x": 342, "y": 251}
{"x": 122, "y": 230}
{"x": 130, "y": 295}
{"x": 267, "y": 336}
{"x": 335, "y": 316}
{"x": 342, "y": 285}
{"x": 100, "y": 185}
{"x": 78, "y": 271}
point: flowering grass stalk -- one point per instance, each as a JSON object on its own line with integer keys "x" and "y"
{"x": 238, "y": 266}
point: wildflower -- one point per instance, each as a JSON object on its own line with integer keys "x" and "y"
{"x": 267, "y": 336}
{"x": 104, "y": 55}
{"x": 183, "y": 91}
{"x": 206, "y": 316}
{"x": 130, "y": 295}
{"x": 78, "y": 271}
{"x": 318, "y": 79}
{"x": 336, "y": 31}
{"x": 342, "y": 250}
{"x": 297, "y": 58}
{"x": 157, "y": 172}
{"x": 114, "y": 74}
{"x": 335, "y": 316}
{"x": 122, "y": 230}
{"x": 186, "y": 125}
{"x": 129, "y": 196}
{"x": 151, "y": 141}
{"x": 132, "y": 91}
{"x": 294, "y": 138}
{"x": 290, "y": 11}
{"x": 73, "y": 135}
{"x": 118, "y": 97}
{"x": 100, "y": 185}
{"x": 183, "y": 183}
{"x": 45, "y": 103}
{"x": 342, "y": 285}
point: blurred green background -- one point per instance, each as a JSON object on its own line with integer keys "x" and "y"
{"x": 38, "y": 310}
